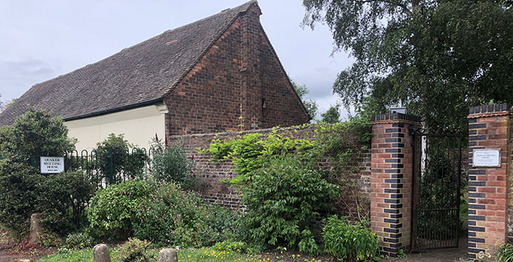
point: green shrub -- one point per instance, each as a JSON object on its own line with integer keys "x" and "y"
{"x": 283, "y": 199}
{"x": 170, "y": 165}
{"x": 62, "y": 199}
{"x": 505, "y": 253}
{"x": 134, "y": 250}
{"x": 112, "y": 210}
{"x": 127, "y": 160}
{"x": 349, "y": 242}
{"x": 172, "y": 217}
{"x": 79, "y": 241}
{"x": 18, "y": 187}
{"x": 221, "y": 224}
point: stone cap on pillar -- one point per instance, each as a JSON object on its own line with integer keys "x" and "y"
{"x": 395, "y": 117}
{"x": 493, "y": 108}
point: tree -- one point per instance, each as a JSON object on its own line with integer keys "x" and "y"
{"x": 331, "y": 116}
{"x": 33, "y": 134}
{"x": 5, "y": 104}
{"x": 436, "y": 57}
{"x": 310, "y": 105}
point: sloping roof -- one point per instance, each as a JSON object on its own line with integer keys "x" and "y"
{"x": 136, "y": 76}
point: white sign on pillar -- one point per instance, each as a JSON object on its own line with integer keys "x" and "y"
{"x": 486, "y": 158}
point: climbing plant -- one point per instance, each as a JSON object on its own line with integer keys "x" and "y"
{"x": 249, "y": 152}
{"x": 279, "y": 174}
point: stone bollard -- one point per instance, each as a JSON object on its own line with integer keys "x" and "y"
{"x": 168, "y": 255}
{"x": 101, "y": 253}
{"x": 35, "y": 228}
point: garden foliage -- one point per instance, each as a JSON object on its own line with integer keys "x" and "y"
{"x": 505, "y": 253}
{"x": 79, "y": 241}
{"x": 34, "y": 134}
{"x": 341, "y": 147}
{"x": 284, "y": 199}
{"x": 172, "y": 217}
{"x": 135, "y": 250}
{"x": 113, "y": 209}
{"x": 170, "y": 164}
{"x": 18, "y": 184}
{"x": 127, "y": 159}
{"x": 349, "y": 242}
{"x": 283, "y": 176}
{"x": 62, "y": 199}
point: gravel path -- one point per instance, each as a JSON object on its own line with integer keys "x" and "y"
{"x": 17, "y": 258}
{"x": 440, "y": 255}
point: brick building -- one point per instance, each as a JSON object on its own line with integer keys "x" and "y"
{"x": 217, "y": 74}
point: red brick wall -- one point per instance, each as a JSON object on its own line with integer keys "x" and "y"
{"x": 209, "y": 174}
{"x": 391, "y": 181}
{"x": 488, "y": 129}
{"x": 232, "y": 80}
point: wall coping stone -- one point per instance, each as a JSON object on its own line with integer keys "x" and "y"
{"x": 490, "y": 109}
{"x": 395, "y": 116}
{"x": 243, "y": 132}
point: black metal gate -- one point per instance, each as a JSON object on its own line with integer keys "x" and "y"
{"x": 436, "y": 191}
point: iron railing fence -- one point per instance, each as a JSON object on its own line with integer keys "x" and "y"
{"x": 111, "y": 166}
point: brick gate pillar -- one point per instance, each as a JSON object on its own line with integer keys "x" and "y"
{"x": 487, "y": 192}
{"x": 391, "y": 180}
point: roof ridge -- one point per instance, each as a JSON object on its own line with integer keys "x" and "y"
{"x": 243, "y": 8}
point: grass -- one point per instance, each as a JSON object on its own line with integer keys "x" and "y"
{"x": 76, "y": 255}
{"x": 201, "y": 254}
{"x": 210, "y": 254}
{"x": 184, "y": 255}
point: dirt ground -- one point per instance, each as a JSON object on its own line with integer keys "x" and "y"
{"x": 12, "y": 250}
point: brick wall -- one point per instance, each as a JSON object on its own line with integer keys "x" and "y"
{"x": 391, "y": 180}
{"x": 240, "y": 75}
{"x": 488, "y": 129}
{"x": 209, "y": 174}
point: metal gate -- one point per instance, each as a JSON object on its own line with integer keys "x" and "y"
{"x": 436, "y": 191}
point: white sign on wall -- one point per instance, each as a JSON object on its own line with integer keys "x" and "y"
{"x": 52, "y": 164}
{"x": 486, "y": 158}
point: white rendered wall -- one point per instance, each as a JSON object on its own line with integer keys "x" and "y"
{"x": 138, "y": 125}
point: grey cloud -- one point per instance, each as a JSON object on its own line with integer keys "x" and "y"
{"x": 18, "y": 76}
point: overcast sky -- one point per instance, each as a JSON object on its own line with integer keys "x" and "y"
{"x": 41, "y": 40}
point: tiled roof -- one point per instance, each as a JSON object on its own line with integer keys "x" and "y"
{"x": 138, "y": 75}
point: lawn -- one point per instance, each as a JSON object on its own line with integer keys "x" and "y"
{"x": 188, "y": 255}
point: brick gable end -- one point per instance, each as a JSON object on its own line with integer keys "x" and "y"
{"x": 239, "y": 75}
